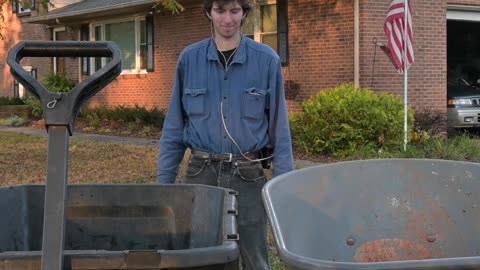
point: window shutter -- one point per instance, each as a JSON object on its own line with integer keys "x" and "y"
{"x": 150, "y": 48}
{"x": 84, "y": 33}
{"x": 14, "y": 7}
{"x": 282, "y": 28}
{"x": 33, "y": 6}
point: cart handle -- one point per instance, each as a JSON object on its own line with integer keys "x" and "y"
{"x": 61, "y": 109}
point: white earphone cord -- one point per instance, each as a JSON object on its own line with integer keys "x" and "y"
{"x": 234, "y": 142}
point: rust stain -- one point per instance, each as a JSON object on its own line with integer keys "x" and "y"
{"x": 385, "y": 250}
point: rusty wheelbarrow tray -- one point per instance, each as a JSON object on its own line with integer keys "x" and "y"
{"x": 322, "y": 216}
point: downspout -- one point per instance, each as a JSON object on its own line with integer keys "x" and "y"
{"x": 356, "y": 43}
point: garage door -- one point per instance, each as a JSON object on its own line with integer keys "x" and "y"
{"x": 463, "y": 13}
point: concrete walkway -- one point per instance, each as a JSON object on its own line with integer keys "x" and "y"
{"x": 115, "y": 139}
{"x": 93, "y": 137}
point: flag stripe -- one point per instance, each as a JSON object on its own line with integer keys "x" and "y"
{"x": 394, "y": 30}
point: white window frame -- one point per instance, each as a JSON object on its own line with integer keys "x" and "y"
{"x": 23, "y": 11}
{"x": 257, "y": 18}
{"x": 55, "y": 31}
{"x": 102, "y": 24}
{"x": 22, "y": 92}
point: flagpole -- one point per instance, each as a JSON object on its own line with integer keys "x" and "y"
{"x": 405, "y": 76}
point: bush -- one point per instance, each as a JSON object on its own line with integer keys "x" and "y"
{"x": 58, "y": 83}
{"x": 11, "y": 101}
{"x": 124, "y": 114}
{"x": 55, "y": 83}
{"x": 345, "y": 120}
{"x": 15, "y": 121}
{"x": 432, "y": 122}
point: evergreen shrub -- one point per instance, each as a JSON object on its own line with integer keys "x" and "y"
{"x": 345, "y": 120}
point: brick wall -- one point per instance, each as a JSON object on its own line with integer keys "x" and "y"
{"x": 320, "y": 45}
{"x": 14, "y": 33}
{"x": 172, "y": 33}
{"x": 427, "y": 76}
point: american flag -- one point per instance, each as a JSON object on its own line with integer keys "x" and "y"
{"x": 394, "y": 29}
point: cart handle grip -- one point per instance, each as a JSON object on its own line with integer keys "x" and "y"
{"x": 61, "y": 109}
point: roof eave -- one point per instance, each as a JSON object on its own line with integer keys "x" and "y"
{"x": 82, "y": 15}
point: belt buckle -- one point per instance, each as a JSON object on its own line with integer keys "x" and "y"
{"x": 230, "y": 156}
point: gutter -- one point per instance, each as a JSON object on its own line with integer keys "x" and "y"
{"x": 132, "y": 3}
{"x": 356, "y": 43}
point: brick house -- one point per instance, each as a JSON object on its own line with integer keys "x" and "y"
{"x": 322, "y": 43}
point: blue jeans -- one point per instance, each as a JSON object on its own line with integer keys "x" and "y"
{"x": 247, "y": 178}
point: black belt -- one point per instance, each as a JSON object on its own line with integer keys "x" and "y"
{"x": 223, "y": 157}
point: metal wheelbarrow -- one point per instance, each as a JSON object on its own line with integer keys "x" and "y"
{"x": 378, "y": 214}
{"x": 59, "y": 226}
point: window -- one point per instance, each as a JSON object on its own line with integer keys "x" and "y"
{"x": 134, "y": 37}
{"x": 23, "y": 7}
{"x": 18, "y": 90}
{"x": 267, "y": 24}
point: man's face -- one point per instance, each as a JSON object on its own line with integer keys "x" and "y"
{"x": 227, "y": 19}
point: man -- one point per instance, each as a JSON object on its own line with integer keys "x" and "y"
{"x": 227, "y": 106}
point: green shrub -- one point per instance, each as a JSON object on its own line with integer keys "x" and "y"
{"x": 124, "y": 114}
{"x": 345, "y": 120}
{"x": 15, "y": 121}
{"x": 11, "y": 101}
{"x": 35, "y": 107}
{"x": 55, "y": 83}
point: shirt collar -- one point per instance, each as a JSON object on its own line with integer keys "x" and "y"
{"x": 239, "y": 57}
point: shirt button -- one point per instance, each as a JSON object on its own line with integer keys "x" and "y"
{"x": 224, "y": 136}
{"x": 224, "y": 97}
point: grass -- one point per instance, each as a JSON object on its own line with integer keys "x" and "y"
{"x": 462, "y": 147}
{"x": 23, "y": 160}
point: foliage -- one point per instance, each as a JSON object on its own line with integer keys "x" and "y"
{"x": 345, "y": 120}
{"x": 123, "y": 114}
{"x": 55, "y": 83}
{"x": 11, "y": 101}
{"x": 15, "y": 121}
{"x": 25, "y": 3}
{"x": 433, "y": 122}
{"x": 460, "y": 147}
{"x": 171, "y": 5}
{"x": 35, "y": 107}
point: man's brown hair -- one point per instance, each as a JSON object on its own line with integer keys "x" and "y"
{"x": 208, "y": 4}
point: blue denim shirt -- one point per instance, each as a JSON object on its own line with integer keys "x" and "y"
{"x": 202, "y": 84}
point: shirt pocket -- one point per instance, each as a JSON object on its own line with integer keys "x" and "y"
{"x": 194, "y": 101}
{"x": 253, "y": 103}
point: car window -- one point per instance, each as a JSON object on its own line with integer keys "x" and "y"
{"x": 455, "y": 78}
{"x": 463, "y": 75}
